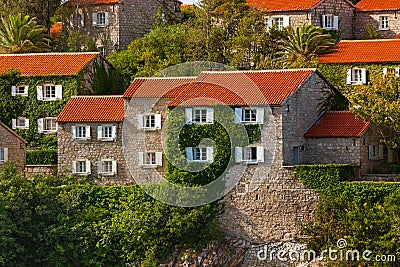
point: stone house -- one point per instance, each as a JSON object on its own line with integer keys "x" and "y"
{"x": 39, "y": 85}
{"x": 113, "y": 24}
{"x": 356, "y": 62}
{"x": 332, "y": 15}
{"x": 381, "y": 15}
{"x": 12, "y": 147}
{"x": 90, "y": 139}
{"x": 340, "y": 137}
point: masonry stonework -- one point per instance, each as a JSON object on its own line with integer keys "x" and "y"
{"x": 364, "y": 18}
{"x": 16, "y": 147}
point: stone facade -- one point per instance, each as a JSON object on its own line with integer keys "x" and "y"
{"x": 94, "y": 150}
{"x": 15, "y": 147}
{"x": 126, "y": 21}
{"x": 364, "y": 18}
{"x": 33, "y": 170}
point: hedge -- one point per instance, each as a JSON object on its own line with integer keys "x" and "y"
{"x": 42, "y": 156}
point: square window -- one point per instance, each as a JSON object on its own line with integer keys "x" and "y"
{"x": 49, "y": 91}
{"x": 328, "y": 22}
{"x": 384, "y": 23}
{"x": 81, "y": 167}
{"x": 20, "y": 90}
{"x": 250, "y": 154}
{"x": 101, "y": 19}
{"x": 200, "y": 153}
{"x": 107, "y": 167}
{"x": 249, "y": 115}
{"x": 200, "y": 115}
{"x": 49, "y": 125}
{"x": 81, "y": 132}
{"x": 107, "y": 132}
{"x": 150, "y": 158}
{"x": 149, "y": 121}
{"x": 21, "y": 123}
{"x": 278, "y": 21}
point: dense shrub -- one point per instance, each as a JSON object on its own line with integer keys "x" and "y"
{"x": 42, "y": 156}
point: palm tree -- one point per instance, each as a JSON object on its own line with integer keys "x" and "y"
{"x": 304, "y": 45}
{"x": 23, "y": 35}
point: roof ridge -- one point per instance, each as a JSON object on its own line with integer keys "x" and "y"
{"x": 47, "y": 54}
{"x": 259, "y": 71}
{"x": 369, "y": 40}
{"x": 166, "y": 78}
{"x": 96, "y": 96}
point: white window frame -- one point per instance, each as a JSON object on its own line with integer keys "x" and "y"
{"x": 3, "y": 154}
{"x": 190, "y": 113}
{"x": 391, "y": 71}
{"x": 240, "y": 115}
{"x": 16, "y": 123}
{"x": 384, "y": 23}
{"x": 142, "y": 121}
{"x": 102, "y": 131}
{"x": 208, "y": 151}
{"x": 104, "y": 162}
{"x": 242, "y": 152}
{"x": 361, "y": 74}
{"x": 280, "y": 21}
{"x": 143, "y": 156}
{"x": 375, "y": 152}
{"x": 97, "y": 19}
{"x": 330, "y": 22}
{"x": 42, "y": 122}
{"x": 76, "y": 129}
{"x": 76, "y": 163}
{"x": 41, "y": 92}
{"x": 15, "y": 90}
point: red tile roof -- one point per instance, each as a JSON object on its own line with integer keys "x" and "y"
{"x": 91, "y": 2}
{"x": 43, "y": 64}
{"x": 364, "y": 51}
{"x": 156, "y": 87}
{"x": 337, "y": 124}
{"x": 243, "y": 87}
{"x": 283, "y": 5}
{"x": 376, "y": 5}
{"x": 93, "y": 109}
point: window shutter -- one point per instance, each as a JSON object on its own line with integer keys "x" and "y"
{"x": 384, "y": 72}
{"x": 99, "y": 132}
{"x": 260, "y": 115}
{"x": 260, "y": 153}
{"x": 270, "y": 22}
{"x": 56, "y": 126}
{"x": 26, "y": 90}
{"x": 140, "y": 158}
{"x": 140, "y": 119}
{"x": 189, "y": 115}
{"x": 99, "y": 167}
{"x": 58, "y": 92}
{"x": 370, "y": 156}
{"x": 286, "y": 21}
{"x": 39, "y": 92}
{"x": 381, "y": 151}
{"x": 87, "y": 132}
{"x": 159, "y": 158}
{"x": 88, "y": 167}
{"x": 114, "y": 132}
{"x": 94, "y": 19}
{"x": 107, "y": 18}
{"x": 238, "y": 154}
{"x": 364, "y": 76}
{"x": 13, "y": 90}
{"x": 210, "y": 154}
{"x": 73, "y": 129}
{"x": 73, "y": 167}
{"x": 71, "y": 21}
{"x": 210, "y": 115}
{"x": 14, "y": 124}
{"x": 5, "y": 153}
{"x": 189, "y": 154}
{"x": 397, "y": 71}
{"x": 158, "y": 121}
{"x": 335, "y": 22}
{"x": 238, "y": 115}
{"x": 40, "y": 125}
{"x": 323, "y": 20}
{"x": 26, "y": 123}
{"x": 348, "y": 76}
{"x": 114, "y": 167}
{"x": 82, "y": 20}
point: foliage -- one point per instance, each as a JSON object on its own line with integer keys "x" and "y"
{"x": 324, "y": 176}
{"x": 105, "y": 80}
{"x": 20, "y": 34}
{"x": 371, "y": 32}
{"x": 75, "y": 42}
{"x": 42, "y": 156}
{"x": 304, "y": 45}
{"x": 394, "y": 168}
{"x": 52, "y": 221}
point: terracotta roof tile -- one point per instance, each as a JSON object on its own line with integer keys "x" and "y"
{"x": 364, "y": 51}
{"x": 156, "y": 87}
{"x": 243, "y": 87}
{"x": 337, "y": 124}
{"x": 376, "y": 5}
{"x": 42, "y": 64}
{"x": 93, "y": 109}
{"x": 283, "y": 5}
{"x": 91, "y": 2}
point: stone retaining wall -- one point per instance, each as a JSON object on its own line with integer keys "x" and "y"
{"x": 32, "y": 170}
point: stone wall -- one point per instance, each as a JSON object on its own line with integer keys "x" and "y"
{"x": 16, "y": 147}
{"x": 33, "y": 170}
{"x": 363, "y": 18}
{"x": 371, "y": 137}
{"x": 94, "y": 150}
{"x": 332, "y": 150}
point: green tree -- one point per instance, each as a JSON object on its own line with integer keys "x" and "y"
{"x": 304, "y": 45}
{"x": 20, "y": 34}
